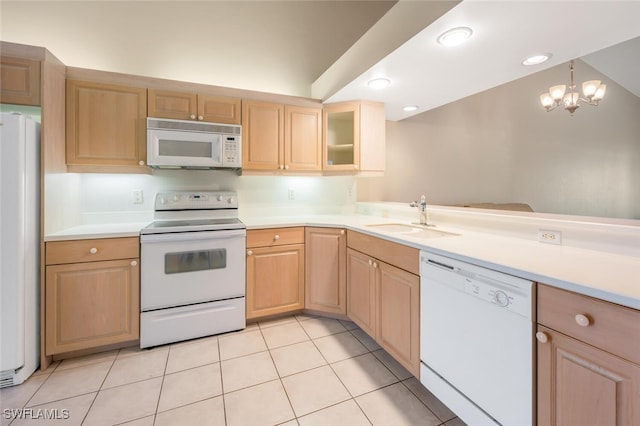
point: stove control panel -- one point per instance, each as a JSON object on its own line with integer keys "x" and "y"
{"x": 196, "y": 200}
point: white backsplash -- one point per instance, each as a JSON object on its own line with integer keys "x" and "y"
{"x": 108, "y": 198}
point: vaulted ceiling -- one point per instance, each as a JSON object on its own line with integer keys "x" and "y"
{"x": 329, "y": 49}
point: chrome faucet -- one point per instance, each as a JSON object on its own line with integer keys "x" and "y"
{"x": 422, "y": 208}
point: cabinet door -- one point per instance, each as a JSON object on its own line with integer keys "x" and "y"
{"x": 173, "y": 105}
{"x": 341, "y": 137}
{"x": 361, "y": 297}
{"x": 398, "y": 315}
{"x": 218, "y": 109}
{"x": 372, "y": 137}
{"x": 326, "y": 270}
{"x": 106, "y": 124}
{"x": 19, "y": 81}
{"x": 579, "y": 384}
{"x": 91, "y": 304}
{"x": 303, "y": 139}
{"x": 262, "y": 136}
{"x": 275, "y": 280}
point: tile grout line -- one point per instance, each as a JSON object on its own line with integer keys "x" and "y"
{"x": 295, "y": 416}
{"x": 84, "y": 419}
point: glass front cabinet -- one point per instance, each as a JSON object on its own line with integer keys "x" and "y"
{"x": 354, "y": 137}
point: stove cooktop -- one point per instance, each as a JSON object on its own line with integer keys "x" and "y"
{"x": 192, "y": 225}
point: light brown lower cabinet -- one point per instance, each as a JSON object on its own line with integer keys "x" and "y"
{"x": 94, "y": 301}
{"x": 361, "y": 291}
{"x": 383, "y": 299}
{"x": 275, "y": 271}
{"x": 588, "y": 361}
{"x": 398, "y": 315}
{"x": 326, "y": 270}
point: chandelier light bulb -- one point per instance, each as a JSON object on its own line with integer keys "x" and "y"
{"x": 557, "y": 92}
{"x": 546, "y": 100}
{"x": 589, "y": 88}
{"x": 600, "y": 92}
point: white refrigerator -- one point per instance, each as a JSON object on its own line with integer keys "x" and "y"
{"x": 19, "y": 247}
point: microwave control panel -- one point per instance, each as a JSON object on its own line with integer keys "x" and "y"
{"x": 231, "y": 155}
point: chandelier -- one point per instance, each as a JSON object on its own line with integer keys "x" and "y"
{"x": 593, "y": 92}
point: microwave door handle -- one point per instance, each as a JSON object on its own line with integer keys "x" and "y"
{"x": 216, "y": 151}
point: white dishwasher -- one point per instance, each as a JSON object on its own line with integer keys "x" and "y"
{"x": 476, "y": 341}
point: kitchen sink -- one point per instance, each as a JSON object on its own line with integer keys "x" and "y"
{"x": 414, "y": 231}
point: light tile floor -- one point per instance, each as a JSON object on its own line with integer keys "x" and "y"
{"x": 297, "y": 370}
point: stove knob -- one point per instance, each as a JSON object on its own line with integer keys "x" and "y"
{"x": 163, "y": 200}
{"x": 219, "y": 198}
{"x": 176, "y": 198}
{"x": 230, "y": 200}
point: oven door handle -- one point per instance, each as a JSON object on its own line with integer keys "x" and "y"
{"x": 192, "y": 236}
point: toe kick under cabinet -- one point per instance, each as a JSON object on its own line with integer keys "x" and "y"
{"x": 92, "y": 293}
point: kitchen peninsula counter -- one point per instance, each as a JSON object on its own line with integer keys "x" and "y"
{"x": 613, "y": 277}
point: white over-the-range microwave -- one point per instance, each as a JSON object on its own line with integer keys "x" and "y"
{"x": 193, "y": 144}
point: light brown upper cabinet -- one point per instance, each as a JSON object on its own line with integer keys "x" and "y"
{"x": 192, "y": 106}
{"x": 302, "y": 138}
{"x": 281, "y": 138}
{"x": 106, "y": 127}
{"x": 19, "y": 81}
{"x": 354, "y": 137}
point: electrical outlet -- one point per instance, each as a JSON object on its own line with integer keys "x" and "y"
{"x": 136, "y": 195}
{"x": 292, "y": 194}
{"x": 549, "y": 236}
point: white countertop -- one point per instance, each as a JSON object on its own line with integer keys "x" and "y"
{"x": 607, "y": 276}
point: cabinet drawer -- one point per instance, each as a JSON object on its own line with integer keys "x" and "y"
{"x": 404, "y": 257}
{"x": 275, "y": 237}
{"x": 611, "y": 327}
{"x": 74, "y": 251}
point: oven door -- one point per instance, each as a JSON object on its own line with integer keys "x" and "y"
{"x": 172, "y": 148}
{"x": 191, "y": 267}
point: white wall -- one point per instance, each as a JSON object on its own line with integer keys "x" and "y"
{"x": 271, "y": 46}
{"x": 502, "y": 146}
{"x": 107, "y": 198}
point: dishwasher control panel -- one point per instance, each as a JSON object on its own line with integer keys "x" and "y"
{"x": 497, "y": 288}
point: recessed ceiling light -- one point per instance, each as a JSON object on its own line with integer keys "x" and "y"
{"x": 410, "y": 108}
{"x": 379, "y": 83}
{"x": 455, "y": 36}
{"x": 536, "y": 59}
